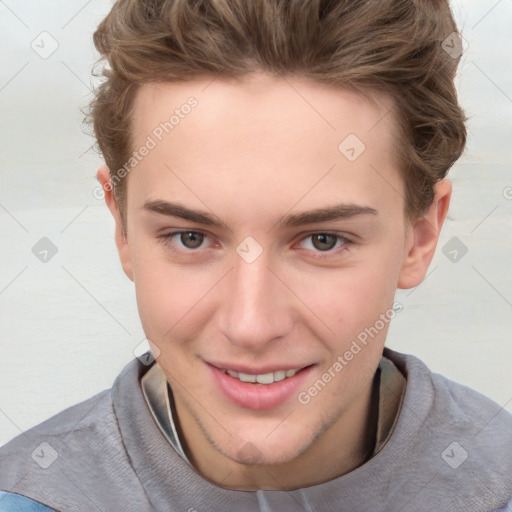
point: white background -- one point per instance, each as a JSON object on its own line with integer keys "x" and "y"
{"x": 68, "y": 326}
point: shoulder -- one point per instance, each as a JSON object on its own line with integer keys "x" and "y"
{"x": 451, "y": 404}
{"x": 69, "y": 439}
{"x": 75, "y": 454}
{"x": 93, "y": 419}
{"x": 89, "y": 418}
{"x": 456, "y": 439}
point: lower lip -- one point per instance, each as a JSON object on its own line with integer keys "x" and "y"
{"x": 257, "y": 396}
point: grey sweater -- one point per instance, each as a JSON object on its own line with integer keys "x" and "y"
{"x": 450, "y": 450}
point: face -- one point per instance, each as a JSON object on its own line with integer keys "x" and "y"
{"x": 259, "y": 244}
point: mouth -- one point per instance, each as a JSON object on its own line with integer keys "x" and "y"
{"x": 264, "y": 378}
{"x": 259, "y": 390}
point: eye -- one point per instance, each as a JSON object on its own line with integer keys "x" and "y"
{"x": 188, "y": 240}
{"x": 326, "y": 242}
{"x": 323, "y": 244}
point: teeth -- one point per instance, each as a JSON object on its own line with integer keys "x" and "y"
{"x": 264, "y": 378}
{"x": 245, "y": 377}
{"x": 279, "y": 375}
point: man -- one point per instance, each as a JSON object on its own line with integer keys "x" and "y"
{"x": 276, "y": 170}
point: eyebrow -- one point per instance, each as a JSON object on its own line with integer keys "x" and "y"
{"x": 325, "y": 214}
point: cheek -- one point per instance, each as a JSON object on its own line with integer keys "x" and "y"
{"x": 352, "y": 298}
{"x": 163, "y": 291}
{"x": 172, "y": 299}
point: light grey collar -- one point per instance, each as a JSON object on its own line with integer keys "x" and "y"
{"x": 158, "y": 395}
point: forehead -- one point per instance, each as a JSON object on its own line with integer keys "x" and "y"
{"x": 262, "y": 130}
{"x": 261, "y": 98}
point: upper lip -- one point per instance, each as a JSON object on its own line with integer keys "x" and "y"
{"x": 241, "y": 368}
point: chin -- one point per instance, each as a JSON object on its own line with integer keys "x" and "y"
{"x": 262, "y": 452}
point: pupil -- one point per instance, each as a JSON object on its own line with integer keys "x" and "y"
{"x": 323, "y": 239}
{"x": 196, "y": 239}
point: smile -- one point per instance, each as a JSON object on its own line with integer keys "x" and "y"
{"x": 259, "y": 391}
{"x": 262, "y": 378}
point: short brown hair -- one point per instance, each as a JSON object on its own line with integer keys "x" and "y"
{"x": 392, "y": 46}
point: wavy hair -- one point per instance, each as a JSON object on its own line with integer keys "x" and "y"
{"x": 392, "y": 46}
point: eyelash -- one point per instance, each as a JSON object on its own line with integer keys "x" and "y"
{"x": 166, "y": 239}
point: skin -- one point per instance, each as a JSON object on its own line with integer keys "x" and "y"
{"x": 250, "y": 153}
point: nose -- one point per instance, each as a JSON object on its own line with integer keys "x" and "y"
{"x": 256, "y": 307}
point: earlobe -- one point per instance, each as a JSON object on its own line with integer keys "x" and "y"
{"x": 123, "y": 248}
{"x": 423, "y": 238}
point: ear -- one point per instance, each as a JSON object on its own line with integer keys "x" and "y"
{"x": 423, "y": 236}
{"x": 123, "y": 248}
